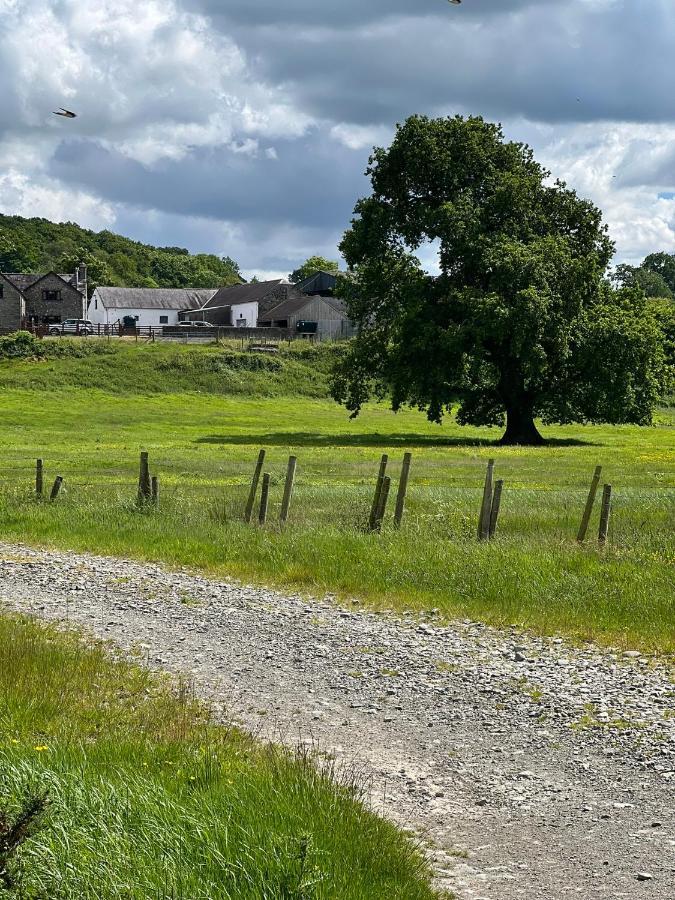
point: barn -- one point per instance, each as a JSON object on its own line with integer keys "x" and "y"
{"x": 323, "y": 316}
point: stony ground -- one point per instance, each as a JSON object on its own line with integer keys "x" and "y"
{"x": 533, "y": 769}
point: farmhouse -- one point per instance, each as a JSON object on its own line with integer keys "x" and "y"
{"x": 33, "y": 299}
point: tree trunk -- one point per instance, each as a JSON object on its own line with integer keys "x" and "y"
{"x": 520, "y": 428}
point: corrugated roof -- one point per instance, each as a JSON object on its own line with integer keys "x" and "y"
{"x": 245, "y": 293}
{"x": 154, "y": 298}
{"x": 318, "y": 282}
{"x": 288, "y": 308}
{"x": 294, "y": 305}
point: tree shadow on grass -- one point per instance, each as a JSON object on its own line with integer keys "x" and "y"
{"x": 372, "y": 439}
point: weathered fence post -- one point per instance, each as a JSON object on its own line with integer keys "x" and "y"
{"x": 39, "y": 478}
{"x": 604, "y": 514}
{"x": 402, "y": 490}
{"x": 56, "y": 488}
{"x": 496, "y": 506}
{"x": 382, "y": 505}
{"x": 254, "y": 487}
{"x": 288, "y": 489}
{"x": 590, "y": 502}
{"x": 144, "y": 484}
{"x": 486, "y": 506}
{"x": 264, "y": 498}
{"x": 378, "y": 491}
{"x": 155, "y": 490}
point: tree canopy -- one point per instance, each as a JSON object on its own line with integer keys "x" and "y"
{"x": 648, "y": 280}
{"x": 313, "y": 265}
{"x": 38, "y": 245}
{"x": 520, "y": 321}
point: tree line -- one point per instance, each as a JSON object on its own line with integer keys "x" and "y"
{"x": 38, "y": 245}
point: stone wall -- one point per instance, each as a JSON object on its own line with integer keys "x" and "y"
{"x": 70, "y": 306}
{"x": 11, "y": 307}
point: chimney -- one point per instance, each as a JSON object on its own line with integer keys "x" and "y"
{"x": 81, "y": 281}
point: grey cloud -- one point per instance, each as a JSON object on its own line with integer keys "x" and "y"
{"x": 340, "y": 14}
{"x": 312, "y": 182}
{"x": 575, "y": 62}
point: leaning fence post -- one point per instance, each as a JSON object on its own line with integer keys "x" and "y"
{"x": 378, "y": 491}
{"x": 604, "y": 514}
{"x": 486, "y": 506}
{"x": 264, "y": 498}
{"x": 496, "y": 506}
{"x": 288, "y": 489}
{"x": 56, "y": 488}
{"x": 402, "y": 490}
{"x": 254, "y": 487}
{"x": 144, "y": 484}
{"x": 590, "y": 503}
{"x": 39, "y": 477}
{"x": 382, "y": 506}
{"x": 155, "y": 490}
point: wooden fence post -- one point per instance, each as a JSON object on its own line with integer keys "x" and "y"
{"x": 402, "y": 490}
{"x": 590, "y": 502}
{"x": 144, "y": 484}
{"x": 496, "y": 506}
{"x": 486, "y": 506}
{"x": 288, "y": 489}
{"x": 264, "y": 498}
{"x": 254, "y": 487}
{"x": 604, "y": 514}
{"x": 39, "y": 478}
{"x": 155, "y": 490}
{"x": 378, "y": 491}
{"x": 382, "y": 506}
{"x": 57, "y": 487}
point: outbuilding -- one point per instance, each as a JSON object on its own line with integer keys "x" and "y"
{"x": 147, "y": 306}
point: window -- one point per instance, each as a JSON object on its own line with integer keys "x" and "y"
{"x": 241, "y": 323}
{"x": 163, "y": 320}
{"x": 51, "y": 296}
{"x": 2, "y": 288}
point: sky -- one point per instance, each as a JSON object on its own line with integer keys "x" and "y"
{"x": 244, "y": 127}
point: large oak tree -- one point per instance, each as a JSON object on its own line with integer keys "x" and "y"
{"x": 521, "y": 323}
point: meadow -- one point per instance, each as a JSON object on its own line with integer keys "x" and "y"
{"x": 137, "y": 794}
{"x": 204, "y": 413}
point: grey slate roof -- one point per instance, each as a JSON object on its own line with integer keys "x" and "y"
{"x": 154, "y": 298}
{"x": 244, "y": 293}
{"x": 24, "y": 280}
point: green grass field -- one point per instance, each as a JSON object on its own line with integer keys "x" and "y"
{"x": 148, "y": 799}
{"x": 204, "y": 445}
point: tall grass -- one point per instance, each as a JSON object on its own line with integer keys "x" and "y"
{"x": 148, "y": 799}
{"x": 204, "y": 446}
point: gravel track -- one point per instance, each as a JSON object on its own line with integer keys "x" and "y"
{"x": 532, "y": 768}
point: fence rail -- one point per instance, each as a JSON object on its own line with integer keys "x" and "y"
{"x": 152, "y": 333}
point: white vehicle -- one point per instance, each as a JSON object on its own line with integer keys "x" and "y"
{"x": 72, "y": 326}
{"x": 195, "y": 325}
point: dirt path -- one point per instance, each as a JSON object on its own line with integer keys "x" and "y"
{"x": 534, "y": 769}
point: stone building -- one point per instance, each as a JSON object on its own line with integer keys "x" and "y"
{"x": 28, "y": 300}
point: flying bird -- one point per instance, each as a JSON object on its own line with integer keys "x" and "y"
{"x": 66, "y": 113}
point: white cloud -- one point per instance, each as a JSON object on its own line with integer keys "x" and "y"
{"x": 49, "y": 199}
{"x": 247, "y": 124}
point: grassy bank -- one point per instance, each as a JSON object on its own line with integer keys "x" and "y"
{"x": 125, "y": 367}
{"x": 147, "y": 799}
{"x": 204, "y": 448}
